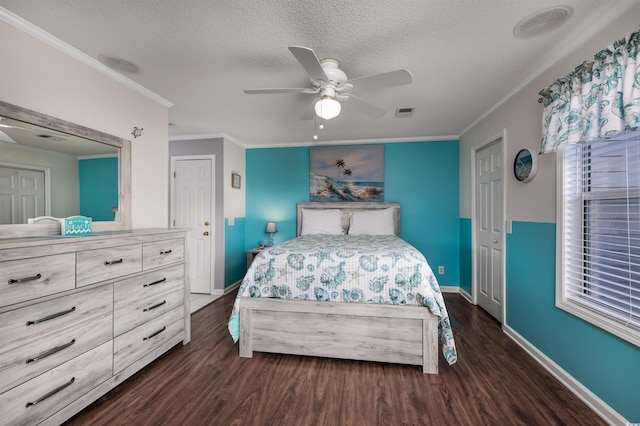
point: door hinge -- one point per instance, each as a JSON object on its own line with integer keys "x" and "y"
{"x": 174, "y": 175}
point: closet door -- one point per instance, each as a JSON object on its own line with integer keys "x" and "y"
{"x": 22, "y": 195}
{"x": 489, "y": 250}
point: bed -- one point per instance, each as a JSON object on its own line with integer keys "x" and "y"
{"x": 346, "y": 287}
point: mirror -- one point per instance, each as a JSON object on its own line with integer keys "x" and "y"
{"x": 64, "y": 169}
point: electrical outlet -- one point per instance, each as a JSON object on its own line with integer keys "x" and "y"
{"x": 441, "y": 270}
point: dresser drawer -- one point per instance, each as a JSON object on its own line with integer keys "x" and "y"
{"x": 160, "y": 253}
{"x": 37, "y": 399}
{"x": 134, "y": 344}
{"x": 27, "y": 279}
{"x": 139, "y": 299}
{"x": 93, "y": 266}
{"x": 42, "y": 336}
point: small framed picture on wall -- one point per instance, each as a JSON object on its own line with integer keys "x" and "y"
{"x": 235, "y": 180}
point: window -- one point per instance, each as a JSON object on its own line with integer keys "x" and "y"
{"x": 599, "y": 234}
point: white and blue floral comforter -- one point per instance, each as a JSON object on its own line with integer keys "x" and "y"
{"x": 347, "y": 268}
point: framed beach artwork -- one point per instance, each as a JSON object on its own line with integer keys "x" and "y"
{"x": 346, "y": 173}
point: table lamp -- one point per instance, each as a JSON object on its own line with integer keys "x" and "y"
{"x": 272, "y": 228}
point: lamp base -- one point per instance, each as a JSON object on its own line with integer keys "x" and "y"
{"x": 270, "y": 239}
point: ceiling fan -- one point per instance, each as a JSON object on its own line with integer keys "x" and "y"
{"x": 6, "y": 138}
{"x": 332, "y": 86}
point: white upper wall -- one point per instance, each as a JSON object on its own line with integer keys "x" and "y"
{"x": 521, "y": 117}
{"x": 39, "y": 77}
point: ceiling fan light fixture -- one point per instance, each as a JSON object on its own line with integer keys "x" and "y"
{"x": 327, "y": 107}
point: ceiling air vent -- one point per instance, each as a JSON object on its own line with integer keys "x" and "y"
{"x": 51, "y": 137}
{"x": 542, "y": 21}
{"x": 119, "y": 64}
{"x": 405, "y": 112}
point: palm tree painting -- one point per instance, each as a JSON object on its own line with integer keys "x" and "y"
{"x": 346, "y": 173}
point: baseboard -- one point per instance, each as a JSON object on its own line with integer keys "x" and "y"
{"x": 466, "y": 295}
{"x": 217, "y": 292}
{"x": 601, "y": 408}
{"x": 449, "y": 289}
{"x": 232, "y": 287}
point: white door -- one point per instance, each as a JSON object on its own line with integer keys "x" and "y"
{"x": 192, "y": 208}
{"x": 489, "y": 244}
{"x": 31, "y": 183}
{"x": 22, "y": 195}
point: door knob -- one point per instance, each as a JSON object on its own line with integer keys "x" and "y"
{"x": 495, "y": 241}
{"x": 205, "y": 233}
{"x": 206, "y": 223}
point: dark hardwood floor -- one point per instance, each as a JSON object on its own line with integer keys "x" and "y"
{"x": 205, "y": 383}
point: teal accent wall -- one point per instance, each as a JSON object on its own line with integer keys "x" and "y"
{"x": 421, "y": 176}
{"x": 466, "y": 265}
{"x": 235, "y": 259}
{"x": 98, "y": 187}
{"x": 608, "y": 366}
{"x": 277, "y": 178}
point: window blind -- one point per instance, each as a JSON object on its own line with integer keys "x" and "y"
{"x": 601, "y": 230}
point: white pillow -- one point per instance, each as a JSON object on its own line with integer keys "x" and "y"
{"x": 372, "y": 222}
{"x": 321, "y": 222}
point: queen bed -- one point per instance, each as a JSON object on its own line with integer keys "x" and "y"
{"x": 346, "y": 287}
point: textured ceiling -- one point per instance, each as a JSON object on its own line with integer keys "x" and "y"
{"x": 201, "y": 54}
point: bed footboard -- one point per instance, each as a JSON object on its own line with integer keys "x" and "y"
{"x": 384, "y": 333}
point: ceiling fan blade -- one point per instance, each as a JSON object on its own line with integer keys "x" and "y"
{"x": 8, "y": 126}
{"x": 279, "y": 90}
{"x": 365, "y": 107}
{"x": 387, "y": 79}
{"x": 6, "y": 138}
{"x": 310, "y": 62}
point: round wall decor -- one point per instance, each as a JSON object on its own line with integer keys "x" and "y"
{"x": 525, "y": 165}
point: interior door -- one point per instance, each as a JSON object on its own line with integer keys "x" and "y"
{"x": 489, "y": 246}
{"x": 31, "y": 184}
{"x": 22, "y": 194}
{"x": 193, "y": 209}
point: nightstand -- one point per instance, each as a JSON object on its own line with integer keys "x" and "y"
{"x": 251, "y": 254}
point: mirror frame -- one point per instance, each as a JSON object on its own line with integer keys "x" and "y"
{"x": 124, "y": 173}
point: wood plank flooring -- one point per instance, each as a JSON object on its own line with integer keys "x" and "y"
{"x": 206, "y": 383}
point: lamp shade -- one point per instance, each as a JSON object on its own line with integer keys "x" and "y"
{"x": 271, "y": 228}
{"x": 327, "y": 107}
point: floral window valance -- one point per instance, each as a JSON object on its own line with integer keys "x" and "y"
{"x": 598, "y": 99}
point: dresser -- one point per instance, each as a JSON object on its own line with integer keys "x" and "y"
{"x": 79, "y": 315}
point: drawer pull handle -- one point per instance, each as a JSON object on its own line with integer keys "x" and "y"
{"x": 165, "y": 251}
{"x": 22, "y": 280}
{"x": 157, "y": 305}
{"x": 113, "y": 262}
{"x": 50, "y": 394}
{"x": 156, "y": 333}
{"x": 155, "y": 282}
{"x": 50, "y": 352}
{"x": 50, "y": 317}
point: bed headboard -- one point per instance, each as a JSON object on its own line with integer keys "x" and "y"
{"x": 346, "y": 208}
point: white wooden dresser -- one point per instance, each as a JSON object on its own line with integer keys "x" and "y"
{"x": 79, "y": 315}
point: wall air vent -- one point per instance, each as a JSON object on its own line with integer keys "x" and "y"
{"x": 405, "y": 112}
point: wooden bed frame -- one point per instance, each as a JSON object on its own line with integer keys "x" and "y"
{"x": 384, "y": 333}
